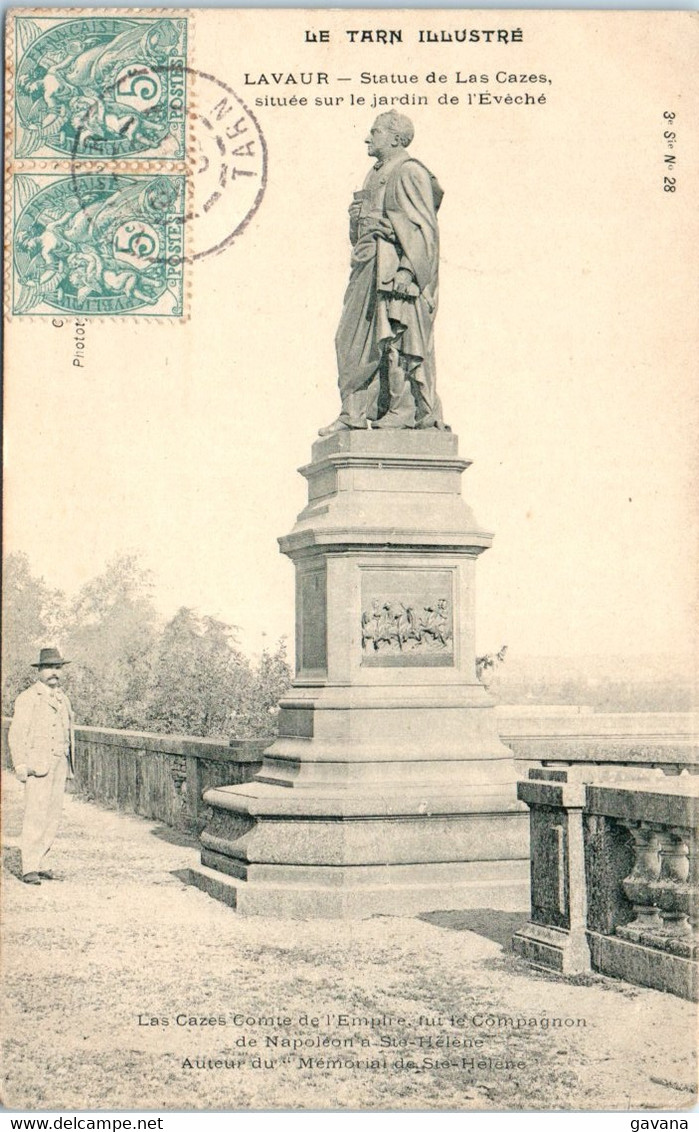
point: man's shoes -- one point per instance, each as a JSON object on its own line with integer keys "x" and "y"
{"x": 31, "y": 878}
{"x": 338, "y": 426}
{"x": 46, "y": 874}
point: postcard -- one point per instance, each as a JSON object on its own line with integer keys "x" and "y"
{"x": 444, "y": 263}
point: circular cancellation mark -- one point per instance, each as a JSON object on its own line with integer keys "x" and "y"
{"x": 227, "y": 171}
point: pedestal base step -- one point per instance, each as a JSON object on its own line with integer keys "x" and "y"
{"x": 506, "y": 888}
{"x": 554, "y": 948}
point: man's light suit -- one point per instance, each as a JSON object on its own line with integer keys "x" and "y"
{"x": 41, "y": 745}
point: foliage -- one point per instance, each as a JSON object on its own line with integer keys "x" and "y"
{"x": 188, "y": 677}
{"x": 256, "y": 713}
{"x": 111, "y": 636}
{"x": 197, "y": 677}
{"x": 488, "y": 663}
{"x": 31, "y": 619}
{"x": 203, "y": 684}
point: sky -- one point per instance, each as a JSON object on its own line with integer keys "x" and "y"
{"x": 566, "y": 354}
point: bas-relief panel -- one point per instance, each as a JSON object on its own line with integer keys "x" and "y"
{"x": 407, "y": 618}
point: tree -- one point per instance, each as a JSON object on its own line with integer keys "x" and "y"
{"x": 198, "y": 677}
{"x": 32, "y": 617}
{"x": 190, "y": 678}
{"x": 256, "y": 713}
{"x": 112, "y": 637}
{"x": 203, "y": 685}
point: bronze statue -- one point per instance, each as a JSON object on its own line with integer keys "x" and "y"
{"x": 385, "y": 341}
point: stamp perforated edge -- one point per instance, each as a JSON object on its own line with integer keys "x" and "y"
{"x": 40, "y": 191}
{"x": 57, "y": 17}
{"x": 134, "y": 165}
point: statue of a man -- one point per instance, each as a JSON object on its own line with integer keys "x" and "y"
{"x": 385, "y": 341}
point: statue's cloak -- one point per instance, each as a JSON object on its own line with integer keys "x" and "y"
{"x": 406, "y": 195}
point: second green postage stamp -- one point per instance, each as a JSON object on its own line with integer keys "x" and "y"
{"x": 98, "y": 244}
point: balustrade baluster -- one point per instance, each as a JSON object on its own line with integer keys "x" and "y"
{"x": 646, "y": 870}
{"x": 693, "y": 883}
{"x": 671, "y": 890}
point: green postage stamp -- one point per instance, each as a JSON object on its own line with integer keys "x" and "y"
{"x": 96, "y": 123}
{"x": 100, "y": 87}
{"x": 98, "y": 244}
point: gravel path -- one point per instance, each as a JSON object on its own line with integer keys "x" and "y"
{"x": 123, "y": 988}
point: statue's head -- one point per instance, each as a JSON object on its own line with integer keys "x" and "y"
{"x": 390, "y": 131}
{"x": 400, "y": 125}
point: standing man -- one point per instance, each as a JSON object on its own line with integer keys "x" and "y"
{"x": 41, "y": 745}
{"x": 385, "y": 342}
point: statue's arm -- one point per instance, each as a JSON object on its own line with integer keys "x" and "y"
{"x": 354, "y": 210}
{"x": 377, "y": 226}
{"x": 405, "y": 284}
{"x": 415, "y": 223}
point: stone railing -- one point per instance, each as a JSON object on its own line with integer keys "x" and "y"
{"x": 661, "y": 887}
{"x": 614, "y": 878}
{"x": 607, "y": 747}
{"x": 157, "y": 776}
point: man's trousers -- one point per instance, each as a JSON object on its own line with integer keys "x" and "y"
{"x": 43, "y": 806}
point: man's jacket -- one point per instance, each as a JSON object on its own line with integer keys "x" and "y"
{"x": 41, "y": 730}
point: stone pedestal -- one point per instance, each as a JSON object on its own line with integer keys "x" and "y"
{"x": 388, "y": 788}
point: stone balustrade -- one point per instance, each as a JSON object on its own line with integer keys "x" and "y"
{"x": 610, "y": 745}
{"x": 614, "y": 878}
{"x": 660, "y": 889}
{"x": 654, "y": 939}
{"x": 559, "y": 735}
{"x": 157, "y": 776}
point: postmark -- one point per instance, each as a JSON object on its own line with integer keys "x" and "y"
{"x": 109, "y": 117}
{"x": 227, "y": 167}
{"x": 100, "y": 87}
{"x": 98, "y": 244}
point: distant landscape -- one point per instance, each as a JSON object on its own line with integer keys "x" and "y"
{"x": 606, "y": 683}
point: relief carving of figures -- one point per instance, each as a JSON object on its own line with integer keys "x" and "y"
{"x": 394, "y": 626}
